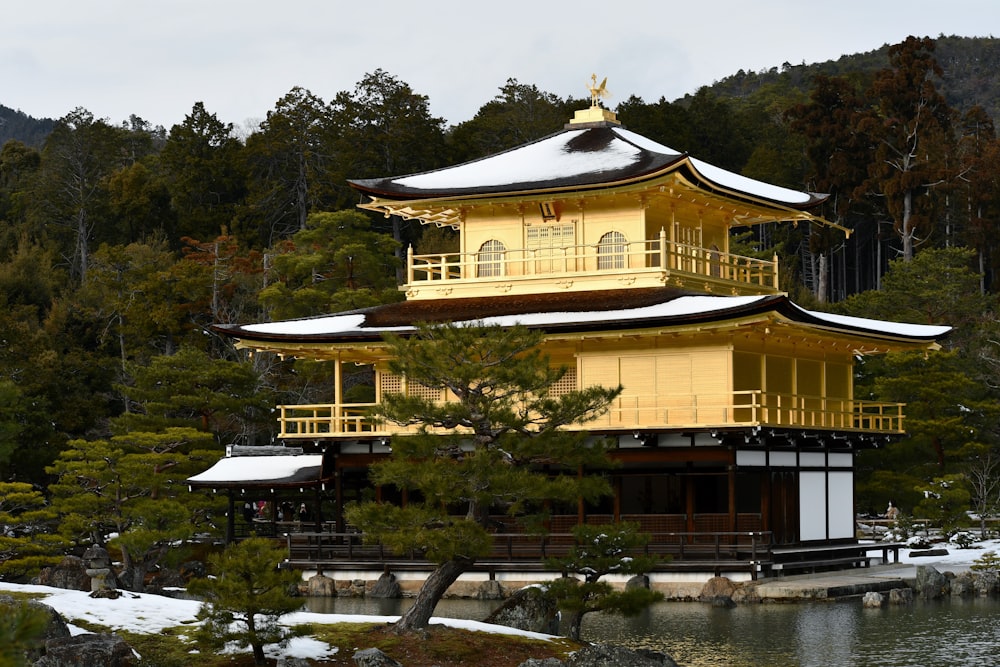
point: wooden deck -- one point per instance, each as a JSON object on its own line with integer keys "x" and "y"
{"x": 518, "y": 552}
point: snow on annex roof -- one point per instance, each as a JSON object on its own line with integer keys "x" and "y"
{"x": 301, "y": 470}
{"x": 574, "y": 158}
{"x": 658, "y": 307}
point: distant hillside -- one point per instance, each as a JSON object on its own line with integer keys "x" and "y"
{"x": 971, "y": 73}
{"x": 22, "y": 127}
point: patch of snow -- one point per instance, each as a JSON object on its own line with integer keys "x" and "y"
{"x": 897, "y": 328}
{"x": 541, "y": 161}
{"x": 257, "y": 468}
{"x": 144, "y": 613}
{"x": 733, "y": 181}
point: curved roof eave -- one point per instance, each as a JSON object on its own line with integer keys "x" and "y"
{"x": 651, "y": 310}
{"x": 582, "y": 158}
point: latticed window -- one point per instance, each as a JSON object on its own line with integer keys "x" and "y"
{"x": 393, "y": 384}
{"x": 566, "y": 384}
{"x": 489, "y": 261}
{"x": 611, "y": 251}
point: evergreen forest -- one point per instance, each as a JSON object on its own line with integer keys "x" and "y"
{"x": 122, "y": 243}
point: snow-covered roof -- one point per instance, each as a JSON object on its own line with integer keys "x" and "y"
{"x": 300, "y": 470}
{"x": 574, "y": 158}
{"x": 580, "y": 312}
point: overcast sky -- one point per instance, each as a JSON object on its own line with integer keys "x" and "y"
{"x": 157, "y": 59}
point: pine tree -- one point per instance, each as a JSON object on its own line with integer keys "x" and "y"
{"x": 480, "y": 452}
{"x": 247, "y": 596}
{"x": 600, "y": 551}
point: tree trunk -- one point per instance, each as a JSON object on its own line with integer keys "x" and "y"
{"x": 822, "y": 278}
{"x": 259, "y": 658}
{"x": 575, "y": 625}
{"x": 419, "y": 615}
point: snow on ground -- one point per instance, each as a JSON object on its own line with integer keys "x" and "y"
{"x": 147, "y": 614}
{"x": 957, "y": 559}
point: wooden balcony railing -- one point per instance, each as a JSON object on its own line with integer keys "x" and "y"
{"x": 653, "y": 256}
{"x": 741, "y": 408}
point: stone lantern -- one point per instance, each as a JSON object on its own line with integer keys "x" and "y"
{"x": 98, "y": 565}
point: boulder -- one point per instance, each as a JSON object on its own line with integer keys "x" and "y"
{"x": 931, "y": 584}
{"x": 873, "y": 600}
{"x": 900, "y": 596}
{"x": 717, "y": 587}
{"x": 530, "y": 609}
{"x": 604, "y": 655}
{"x": 987, "y": 583}
{"x": 372, "y": 657}
{"x": 321, "y": 586}
{"x": 55, "y": 626}
{"x": 638, "y": 581}
{"x": 386, "y": 587}
{"x": 70, "y": 573}
{"x": 542, "y": 662}
{"x": 292, "y": 662}
{"x": 491, "y": 589}
{"x": 88, "y": 651}
{"x": 926, "y": 553}
{"x": 964, "y": 585}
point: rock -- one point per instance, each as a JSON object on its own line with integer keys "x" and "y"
{"x": 542, "y": 662}
{"x": 491, "y": 589}
{"x": 900, "y": 596}
{"x": 601, "y": 655}
{"x": 716, "y": 587}
{"x": 987, "y": 583}
{"x": 530, "y": 609}
{"x": 386, "y": 587}
{"x": 292, "y": 662}
{"x": 718, "y": 591}
{"x": 107, "y": 593}
{"x": 55, "y": 626}
{"x": 372, "y": 657}
{"x": 873, "y": 600}
{"x": 87, "y": 651}
{"x": 964, "y": 585}
{"x": 931, "y": 584}
{"x": 928, "y": 552}
{"x": 70, "y": 574}
{"x": 638, "y": 581}
{"x": 321, "y": 586}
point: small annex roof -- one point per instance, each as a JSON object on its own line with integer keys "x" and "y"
{"x": 574, "y": 159}
{"x": 303, "y": 470}
{"x": 610, "y": 310}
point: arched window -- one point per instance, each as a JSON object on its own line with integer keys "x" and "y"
{"x": 611, "y": 251}
{"x": 489, "y": 261}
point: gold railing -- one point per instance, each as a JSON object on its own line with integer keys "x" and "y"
{"x": 741, "y": 408}
{"x": 650, "y": 256}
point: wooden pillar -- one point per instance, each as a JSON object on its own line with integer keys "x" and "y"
{"x": 338, "y": 494}
{"x": 689, "y": 499}
{"x": 338, "y": 396}
{"x": 230, "y": 517}
{"x": 731, "y": 478}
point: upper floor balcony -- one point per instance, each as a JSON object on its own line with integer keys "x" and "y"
{"x": 610, "y": 264}
{"x": 631, "y": 413}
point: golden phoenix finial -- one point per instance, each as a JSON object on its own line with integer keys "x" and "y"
{"x": 597, "y": 91}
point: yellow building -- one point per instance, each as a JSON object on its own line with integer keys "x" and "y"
{"x": 738, "y": 422}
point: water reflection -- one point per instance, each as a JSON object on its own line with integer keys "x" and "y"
{"x": 818, "y": 634}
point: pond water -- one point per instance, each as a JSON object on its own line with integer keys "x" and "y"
{"x": 927, "y": 634}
